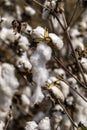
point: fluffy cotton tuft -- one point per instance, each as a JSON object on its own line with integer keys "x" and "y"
{"x": 23, "y": 62}
{"x": 84, "y": 63}
{"x": 40, "y": 74}
{"x": 29, "y": 10}
{"x": 2, "y": 125}
{"x": 44, "y": 124}
{"x": 31, "y": 125}
{"x": 8, "y": 35}
{"x": 23, "y": 43}
{"x": 8, "y": 86}
{"x": 38, "y": 32}
{"x": 57, "y": 41}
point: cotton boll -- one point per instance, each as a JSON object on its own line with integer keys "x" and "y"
{"x": 29, "y": 10}
{"x": 56, "y": 40}
{"x": 27, "y": 91}
{"x": 40, "y": 76}
{"x": 45, "y": 14}
{"x": 60, "y": 72}
{"x": 37, "y": 96}
{"x": 57, "y": 93}
{"x": 70, "y": 100}
{"x": 25, "y": 100}
{"x": 50, "y": 5}
{"x": 39, "y": 116}
{"x": 8, "y": 86}
{"x": 6, "y": 20}
{"x": 58, "y": 108}
{"x": 3, "y": 33}
{"x": 53, "y": 79}
{"x": 77, "y": 43}
{"x": 2, "y": 125}
{"x": 8, "y": 35}
{"x": 8, "y": 72}
{"x": 25, "y": 103}
{"x": 41, "y": 55}
{"x": 19, "y": 12}
{"x": 57, "y": 117}
{"x": 23, "y": 62}
{"x": 74, "y": 32}
{"x": 84, "y": 63}
{"x": 65, "y": 88}
{"x": 35, "y": 59}
{"x": 44, "y": 124}
{"x": 38, "y": 32}
{"x": 72, "y": 81}
{"x": 66, "y": 125}
{"x": 31, "y": 125}
{"x": 3, "y": 114}
{"x": 44, "y": 50}
{"x": 23, "y": 43}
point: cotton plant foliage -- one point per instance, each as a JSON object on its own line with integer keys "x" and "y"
{"x": 43, "y": 65}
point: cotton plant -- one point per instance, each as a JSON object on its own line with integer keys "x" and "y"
{"x": 40, "y": 56}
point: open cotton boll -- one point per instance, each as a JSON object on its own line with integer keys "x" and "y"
{"x": 6, "y": 20}
{"x": 8, "y": 86}
{"x": 65, "y": 88}
{"x": 74, "y": 32}
{"x": 2, "y": 125}
{"x": 31, "y": 125}
{"x": 57, "y": 93}
{"x": 41, "y": 55}
{"x": 25, "y": 103}
{"x": 72, "y": 81}
{"x": 23, "y": 43}
{"x": 27, "y": 91}
{"x": 29, "y": 10}
{"x": 8, "y": 72}
{"x": 77, "y": 42}
{"x": 84, "y": 63}
{"x": 53, "y": 79}
{"x": 58, "y": 108}
{"x": 44, "y": 50}
{"x": 38, "y": 32}
{"x": 8, "y": 35}
{"x": 44, "y": 124}
{"x": 60, "y": 72}
{"x": 23, "y": 62}
{"x": 56, "y": 40}
{"x": 25, "y": 100}
{"x": 4, "y": 33}
{"x": 66, "y": 125}
{"x": 46, "y": 12}
{"x": 37, "y": 96}
{"x": 39, "y": 116}
{"x": 40, "y": 76}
